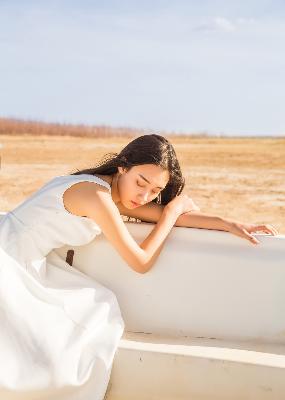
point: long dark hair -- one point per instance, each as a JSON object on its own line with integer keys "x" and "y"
{"x": 146, "y": 149}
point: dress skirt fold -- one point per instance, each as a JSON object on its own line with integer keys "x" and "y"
{"x": 59, "y": 328}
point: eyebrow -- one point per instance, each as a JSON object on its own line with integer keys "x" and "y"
{"x": 149, "y": 181}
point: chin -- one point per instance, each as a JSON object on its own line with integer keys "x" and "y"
{"x": 127, "y": 205}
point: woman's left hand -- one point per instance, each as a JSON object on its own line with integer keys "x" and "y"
{"x": 245, "y": 230}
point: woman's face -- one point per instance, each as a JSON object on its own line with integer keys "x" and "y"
{"x": 141, "y": 184}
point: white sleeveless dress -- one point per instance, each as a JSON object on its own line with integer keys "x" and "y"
{"x": 59, "y": 328}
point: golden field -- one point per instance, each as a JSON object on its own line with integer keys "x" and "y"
{"x": 237, "y": 178}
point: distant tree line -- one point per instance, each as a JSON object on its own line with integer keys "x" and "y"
{"x": 13, "y": 126}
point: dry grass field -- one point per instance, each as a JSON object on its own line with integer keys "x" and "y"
{"x": 238, "y": 178}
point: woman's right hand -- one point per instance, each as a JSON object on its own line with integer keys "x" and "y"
{"x": 182, "y": 204}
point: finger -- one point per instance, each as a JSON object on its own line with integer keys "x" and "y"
{"x": 267, "y": 228}
{"x": 272, "y": 229}
{"x": 258, "y": 228}
{"x": 249, "y": 237}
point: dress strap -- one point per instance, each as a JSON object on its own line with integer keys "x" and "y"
{"x": 98, "y": 180}
{"x": 88, "y": 177}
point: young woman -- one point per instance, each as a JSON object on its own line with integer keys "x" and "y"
{"x": 59, "y": 329}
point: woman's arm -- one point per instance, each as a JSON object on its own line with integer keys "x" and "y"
{"x": 198, "y": 220}
{"x": 97, "y": 204}
{"x": 195, "y": 219}
{"x": 151, "y": 212}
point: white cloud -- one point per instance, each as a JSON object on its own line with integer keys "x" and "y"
{"x": 222, "y": 24}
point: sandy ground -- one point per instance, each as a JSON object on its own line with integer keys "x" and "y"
{"x": 236, "y": 178}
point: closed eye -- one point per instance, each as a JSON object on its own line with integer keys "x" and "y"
{"x": 152, "y": 191}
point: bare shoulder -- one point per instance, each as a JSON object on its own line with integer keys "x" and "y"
{"x": 80, "y": 196}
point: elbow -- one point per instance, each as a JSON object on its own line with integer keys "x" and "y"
{"x": 144, "y": 270}
{"x": 141, "y": 268}
{"x": 140, "y": 264}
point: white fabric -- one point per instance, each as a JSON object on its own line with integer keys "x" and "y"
{"x": 59, "y": 328}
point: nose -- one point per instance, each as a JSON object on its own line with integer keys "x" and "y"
{"x": 143, "y": 197}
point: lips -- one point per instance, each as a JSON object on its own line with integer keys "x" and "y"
{"x": 134, "y": 203}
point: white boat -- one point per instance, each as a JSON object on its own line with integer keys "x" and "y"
{"x": 206, "y": 322}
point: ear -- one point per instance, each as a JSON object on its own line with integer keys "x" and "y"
{"x": 121, "y": 170}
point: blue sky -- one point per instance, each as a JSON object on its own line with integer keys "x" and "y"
{"x": 184, "y": 66}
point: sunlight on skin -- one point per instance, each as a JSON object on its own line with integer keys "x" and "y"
{"x": 139, "y": 185}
